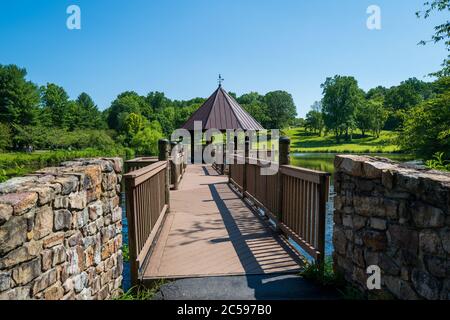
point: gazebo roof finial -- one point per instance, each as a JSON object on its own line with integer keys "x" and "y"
{"x": 220, "y": 80}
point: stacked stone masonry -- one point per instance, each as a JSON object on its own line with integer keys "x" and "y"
{"x": 61, "y": 232}
{"x": 396, "y": 217}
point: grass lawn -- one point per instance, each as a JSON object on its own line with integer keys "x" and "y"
{"x": 302, "y": 141}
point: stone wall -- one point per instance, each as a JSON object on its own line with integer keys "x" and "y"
{"x": 396, "y": 217}
{"x": 61, "y": 232}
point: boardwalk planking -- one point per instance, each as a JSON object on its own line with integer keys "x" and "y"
{"x": 210, "y": 231}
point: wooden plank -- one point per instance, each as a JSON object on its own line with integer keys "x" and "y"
{"x": 304, "y": 174}
{"x": 144, "y": 170}
{"x": 216, "y": 234}
{"x": 144, "y": 177}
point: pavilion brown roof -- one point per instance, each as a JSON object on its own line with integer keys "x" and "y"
{"x": 221, "y": 111}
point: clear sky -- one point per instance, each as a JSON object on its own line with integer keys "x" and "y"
{"x": 180, "y": 47}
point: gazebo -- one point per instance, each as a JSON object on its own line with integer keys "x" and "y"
{"x": 221, "y": 111}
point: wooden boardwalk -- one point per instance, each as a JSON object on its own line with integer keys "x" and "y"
{"x": 210, "y": 231}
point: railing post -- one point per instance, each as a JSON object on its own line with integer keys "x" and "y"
{"x": 323, "y": 197}
{"x": 130, "y": 206}
{"x": 283, "y": 159}
{"x": 244, "y": 175}
{"x": 224, "y": 159}
{"x": 163, "y": 146}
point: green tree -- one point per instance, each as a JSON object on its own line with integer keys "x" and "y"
{"x": 133, "y": 124}
{"x": 341, "y": 99}
{"x": 314, "y": 118}
{"x": 281, "y": 109}
{"x": 255, "y": 105}
{"x": 145, "y": 142}
{"x": 166, "y": 117}
{"x": 19, "y": 98}
{"x": 401, "y": 98}
{"x": 90, "y": 115}
{"x": 426, "y": 128}
{"x": 56, "y": 110}
{"x": 74, "y": 117}
{"x": 157, "y": 101}
{"x": 379, "y": 115}
{"x": 377, "y": 92}
{"x": 371, "y": 116}
{"x": 299, "y": 122}
{"x": 363, "y": 118}
{"x": 126, "y": 103}
{"x": 183, "y": 113}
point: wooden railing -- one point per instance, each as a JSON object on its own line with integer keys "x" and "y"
{"x": 294, "y": 198}
{"x": 147, "y": 183}
{"x": 177, "y": 168}
{"x": 146, "y": 205}
{"x": 137, "y": 163}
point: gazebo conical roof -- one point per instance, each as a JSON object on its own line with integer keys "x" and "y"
{"x": 221, "y": 111}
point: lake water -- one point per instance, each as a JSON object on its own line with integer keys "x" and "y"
{"x": 316, "y": 161}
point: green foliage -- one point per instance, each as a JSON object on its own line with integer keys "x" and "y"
{"x": 371, "y": 116}
{"x": 438, "y": 162}
{"x": 126, "y": 252}
{"x": 255, "y": 104}
{"x": 143, "y": 293}
{"x": 145, "y": 142}
{"x": 281, "y": 108}
{"x": 314, "y": 121}
{"x": 134, "y": 123}
{"x": 90, "y": 116}
{"x": 19, "y": 98}
{"x": 56, "y": 110}
{"x": 157, "y": 101}
{"x": 5, "y": 136}
{"x": 54, "y": 138}
{"x": 275, "y": 110}
{"x": 166, "y": 118}
{"x": 399, "y": 99}
{"x": 327, "y": 277}
{"x": 126, "y": 103}
{"x": 19, "y": 163}
{"x": 304, "y": 141}
{"x": 341, "y": 99}
{"x": 324, "y": 275}
{"x": 426, "y": 128}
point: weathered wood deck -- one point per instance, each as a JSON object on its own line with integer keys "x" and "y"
{"x": 210, "y": 231}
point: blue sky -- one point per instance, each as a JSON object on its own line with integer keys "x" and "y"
{"x": 179, "y": 47}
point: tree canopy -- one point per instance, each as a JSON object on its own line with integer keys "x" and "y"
{"x": 341, "y": 99}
